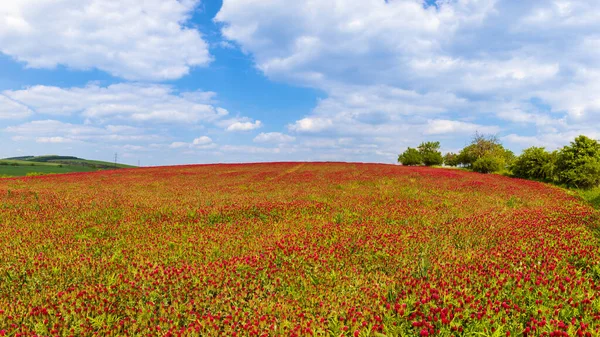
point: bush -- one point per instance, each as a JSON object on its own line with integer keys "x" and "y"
{"x": 488, "y": 164}
{"x": 535, "y": 163}
{"x": 451, "y": 159}
{"x": 585, "y": 175}
{"x": 578, "y": 164}
{"x": 410, "y": 157}
{"x": 35, "y": 174}
{"x": 484, "y": 148}
{"x": 430, "y": 153}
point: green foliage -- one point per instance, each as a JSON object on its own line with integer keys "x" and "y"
{"x": 23, "y": 170}
{"x": 410, "y": 157}
{"x": 535, "y": 163}
{"x": 22, "y": 166}
{"x": 35, "y": 174}
{"x": 488, "y": 164}
{"x": 430, "y": 153}
{"x": 451, "y": 159}
{"x": 487, "y": 152}
{"x": 591, "y": 195}
{"x": 585, "y": 175}
{"x": 578, "y": 164}
{"x": 427, "y": 153}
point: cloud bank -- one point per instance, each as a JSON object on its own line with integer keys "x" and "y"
{"x": 398, "y": 72}
{"x": 131, "y": 39}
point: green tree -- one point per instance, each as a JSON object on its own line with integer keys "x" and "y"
{"x": 491, "y": 152}
{"x": 488, "y": 164}
{"x": 451, "y": 159}
{"x": 410, "y": 157}
{"x": 535, "y": 163}
{"x": 430, "y": 153}
{"x": 578, "y": 164}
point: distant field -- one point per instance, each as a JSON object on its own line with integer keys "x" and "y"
{"x": 92, "y": 163}
{"x": 24, "y": 169}
{"x": 296, "y": 249}
{"x": 25, "y": 163}
{"x": 21, "y": 166}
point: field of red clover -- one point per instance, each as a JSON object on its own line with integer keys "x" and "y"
{"x": 295, "y": 249}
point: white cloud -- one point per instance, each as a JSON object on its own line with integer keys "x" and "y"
{"x": 252, "y": 149}
{"x": 178, "y": 145}
{"x": 53, "y": 131}
{"x": 202, "y": 140}
{"x": 311, "y": 124}
{"x": 244, "y": 126}
{"x": 442, "y": 126}
{"x": 550, "y": 141}
{"x": 273, "y": 137}
{"x": 126, "y": 101}
{"x": 134, "y": 148}
{"x": 9, "y": 109}
{"x": 53, "y": 140}
{"x": 316, "y": 42}
{"x": 403, "y": 70}
{"x": 200, "y": 143}
{"x": 136, "y": 40}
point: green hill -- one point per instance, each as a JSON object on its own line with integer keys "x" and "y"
{"x": 49, "y": 164}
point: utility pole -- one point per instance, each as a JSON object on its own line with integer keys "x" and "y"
{"x": 115, "y": 159}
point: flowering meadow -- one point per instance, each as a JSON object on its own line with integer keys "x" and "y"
{"x": 295, "y": 249}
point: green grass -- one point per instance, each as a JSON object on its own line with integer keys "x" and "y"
{"x": 591, "y": 195}
{"x": 4, "y": 162}
{"x": 21, "y": 166}
{"x": 22, "y": 170}
{"x": 91, "y": 162}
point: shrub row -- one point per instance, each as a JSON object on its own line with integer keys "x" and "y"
{"x": 575, "y": 165}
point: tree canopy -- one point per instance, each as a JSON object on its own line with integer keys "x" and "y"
{"x": 575, "y": 165}
{"x": 430, "y": 153}
{"x": 410, "y": 157}
{"x": 490, "y": 153}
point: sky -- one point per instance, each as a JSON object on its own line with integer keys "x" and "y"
{"x": 163, "y": 82}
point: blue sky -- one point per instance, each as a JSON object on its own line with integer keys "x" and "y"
{"x": 186, "y": 81}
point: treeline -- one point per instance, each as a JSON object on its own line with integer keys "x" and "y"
{"x": 575, "y": 165}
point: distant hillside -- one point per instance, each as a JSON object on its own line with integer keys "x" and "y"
{"x": 33, "y": 165}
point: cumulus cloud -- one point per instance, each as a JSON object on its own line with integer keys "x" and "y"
{"x": 10, "y": 109}
{"x": 442, "y": 126}
{"x": 53, "y": 140}
{"x": 134, "y": 148}
{"x": 244, "y": 126}
{"x": 126, "y": 117}
{"x": 125, "y": 101}
{"x": 311, "y": 124}
{"x": 273, "y": 137}
{"x": 178, "y": 145}
{"x": 202, "y": 142}
{"x": 251, "y": 149}
{"x": 54, "y": 131}
{"x": 551, "y": 141}
{"x": 407, "y": 71}
{"x": 136, "y": 40}
{"x": 316, "y": 42}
